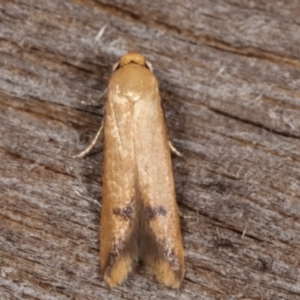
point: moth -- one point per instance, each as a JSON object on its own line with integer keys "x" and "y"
{"x": 139, "y": 216}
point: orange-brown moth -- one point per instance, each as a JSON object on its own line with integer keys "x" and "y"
{"x": 139, "y": 217}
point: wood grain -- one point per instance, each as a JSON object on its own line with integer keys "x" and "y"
{"x": 229, "y": 76}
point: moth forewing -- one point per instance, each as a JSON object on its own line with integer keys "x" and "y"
{"x": 139, "y": 217}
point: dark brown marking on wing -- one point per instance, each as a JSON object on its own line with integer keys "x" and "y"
{"x": 126, "y": 213}
{"x": 171, "y": 258}
{"x": 151, "y": 213}
{"x": 112, "y": 256}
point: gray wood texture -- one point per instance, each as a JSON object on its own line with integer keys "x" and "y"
{"x": 229, "y": 74}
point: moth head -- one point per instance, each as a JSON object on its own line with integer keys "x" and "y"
{"x": 132, "y": 57}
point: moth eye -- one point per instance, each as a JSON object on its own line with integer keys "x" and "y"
{"x": 149, "y": 65}
{"x": 116, "y": 66}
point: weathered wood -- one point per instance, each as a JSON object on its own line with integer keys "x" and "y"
{"x": 229, "y": 74}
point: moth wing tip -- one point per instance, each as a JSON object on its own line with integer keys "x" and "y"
{"x": 169, "y": 277}
{"x": 118, "y": 272}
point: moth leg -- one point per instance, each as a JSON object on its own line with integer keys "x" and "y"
{"x": 174, "y": 150}
{"x": 91, "y": 145}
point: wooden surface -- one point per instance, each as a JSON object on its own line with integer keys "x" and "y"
{"x": 229, "y": 73}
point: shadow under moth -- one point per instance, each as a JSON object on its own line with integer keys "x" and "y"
{"x": 139, "y": 216}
